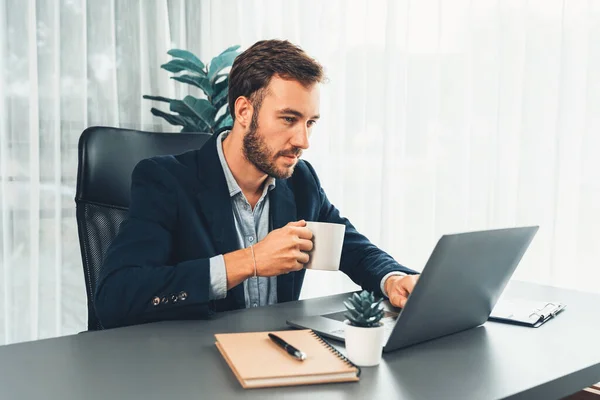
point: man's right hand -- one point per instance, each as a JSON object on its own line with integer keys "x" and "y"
{"x": 283, "y": 250}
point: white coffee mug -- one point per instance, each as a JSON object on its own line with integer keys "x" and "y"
{"x": 328, "y": 240}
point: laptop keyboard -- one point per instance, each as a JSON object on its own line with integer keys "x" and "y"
{"x": 388, "y": 325}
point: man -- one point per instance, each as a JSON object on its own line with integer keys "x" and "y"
{"x": 223, "y": 227}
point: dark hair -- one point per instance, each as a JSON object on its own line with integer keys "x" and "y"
{"x": 253, "y": 69}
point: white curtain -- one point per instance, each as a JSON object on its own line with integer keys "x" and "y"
{"x": 439, "y": 116}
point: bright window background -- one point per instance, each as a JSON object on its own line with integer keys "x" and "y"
{"x": 439, "y": 117}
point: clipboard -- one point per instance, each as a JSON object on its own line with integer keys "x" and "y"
{"x": 525, "y": 312}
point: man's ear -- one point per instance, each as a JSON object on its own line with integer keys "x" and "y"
{"x": 243, "y": 111}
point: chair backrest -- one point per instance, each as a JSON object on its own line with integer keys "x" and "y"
{"x": 107, "y": 157}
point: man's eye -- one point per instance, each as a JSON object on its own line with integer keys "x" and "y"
{"x": 311, "y": 123}
{"x": 289, "y": 120}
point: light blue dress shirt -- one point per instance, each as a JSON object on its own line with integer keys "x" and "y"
{"x": 251, "y": 226}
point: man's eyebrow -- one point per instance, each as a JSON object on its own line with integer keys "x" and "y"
{"x": 295, "y": 113}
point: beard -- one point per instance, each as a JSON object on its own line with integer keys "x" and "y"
{"x": 262, "y": 157}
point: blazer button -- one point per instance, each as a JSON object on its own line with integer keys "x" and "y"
{"x": 173, "y": 298}
{"x": 155, "y": 301}
{"x": 164, "y": 300}
{"x": 182, "y": 296}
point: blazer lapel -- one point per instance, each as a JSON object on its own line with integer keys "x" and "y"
{"x": 283, "y": 211}
{"x": 215, "y": 205}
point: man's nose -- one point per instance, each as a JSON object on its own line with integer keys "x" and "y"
{"x": 300, "y": 138}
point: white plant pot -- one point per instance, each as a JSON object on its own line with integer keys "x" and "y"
{"x": 364, "y": 345}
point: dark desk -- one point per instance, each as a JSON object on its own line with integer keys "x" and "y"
{"x": 178, "y": 360}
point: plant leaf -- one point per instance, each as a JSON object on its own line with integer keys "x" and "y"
{"x": 193, "y": 128}
{"x": 355, "y": 314}
{"x": 223, "y": 121}
{"x": 186, "y": 55}
{"x": 219, "y": 76}
{"x": 375, "y": 306}
{"x": 354, "y": 321}
{"x": 221, "y": 85}
{"x": 179, "y": 107}
{"x": 198, "y": 81}
{"x": 366, "y": 304}
{"x": 220, "y": 102}
{"x": 202, "y": 109}
{"x": 220, "y": 62}
{"x": 196, "y": 126}
{"x": 178, "y": 65}
{"x": 220, "y": 96}
{"x": 221, "y": 90}
{"x": 183, "y": 109}
{"x": 170, "y": 118}
{"x": 157, "y": 98}
{"x": 232, "y": 48}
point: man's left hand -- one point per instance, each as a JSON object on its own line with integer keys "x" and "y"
{"x": 399, "y": 287}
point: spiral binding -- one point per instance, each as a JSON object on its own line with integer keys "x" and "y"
{"x": 336, "y": 352}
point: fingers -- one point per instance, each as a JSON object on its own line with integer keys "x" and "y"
{"x": 299, "y": 229}
{"x": 297, "y": 223}
{"x": 409, "y": 282}
{"x": 305, "y": 245}
{"x": 398, "y": 300}
{"x": 395, "y": 299}
{"x": 302, "y": 257}
{"x": 302, "y": 232}
{"x": 400, "y": 289}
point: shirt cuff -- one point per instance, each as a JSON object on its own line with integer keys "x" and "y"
{"x": 382, "y": 284}
{"x": 218, "y": 278}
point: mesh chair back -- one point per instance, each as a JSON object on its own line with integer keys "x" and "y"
{"x": 107, "y": 157}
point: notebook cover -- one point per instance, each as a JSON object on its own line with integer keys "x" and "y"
{"x": 253, "y": 356}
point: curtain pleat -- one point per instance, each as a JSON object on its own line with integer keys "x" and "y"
{"x": 438, "y": 117}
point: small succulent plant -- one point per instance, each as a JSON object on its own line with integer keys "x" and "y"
{"x": 364, "y": 310}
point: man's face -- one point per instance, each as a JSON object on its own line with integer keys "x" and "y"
{"x": 279, "y": 130}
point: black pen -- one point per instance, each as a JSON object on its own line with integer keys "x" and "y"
{"x": 294, "y": 352}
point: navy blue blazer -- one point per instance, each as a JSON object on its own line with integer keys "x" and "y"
{"x": 157, "y": 267}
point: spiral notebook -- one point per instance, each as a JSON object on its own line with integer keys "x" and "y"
{"x": 257, "y": 361}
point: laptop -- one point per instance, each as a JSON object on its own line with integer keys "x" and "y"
{"x": 458, "y": 289}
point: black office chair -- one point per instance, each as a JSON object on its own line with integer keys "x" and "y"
{"x": 107, "y": 157}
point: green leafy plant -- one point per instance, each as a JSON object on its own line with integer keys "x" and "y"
{"x": 195, "y": 114}
{"x": 364, "y": 310}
